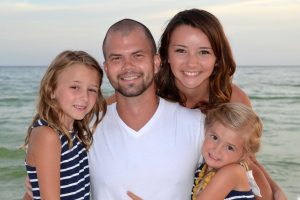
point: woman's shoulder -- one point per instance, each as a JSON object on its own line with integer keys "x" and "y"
{"x": 239, "y": 96}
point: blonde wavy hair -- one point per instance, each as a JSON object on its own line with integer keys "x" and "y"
{"x": 241, "y": 119}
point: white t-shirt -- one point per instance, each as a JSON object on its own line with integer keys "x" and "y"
{"x": 156, "y": 163}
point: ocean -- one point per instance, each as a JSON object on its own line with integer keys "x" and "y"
{"x": 273, "y": 90}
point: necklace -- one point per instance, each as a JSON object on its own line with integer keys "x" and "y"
{"x": 202, "y": 178}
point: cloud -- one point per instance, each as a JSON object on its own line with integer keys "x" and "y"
{"x": 255, "y": 28}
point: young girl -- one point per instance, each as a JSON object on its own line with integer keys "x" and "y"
{"x": 59, "y": 136}
{"x": 232, "y": 132}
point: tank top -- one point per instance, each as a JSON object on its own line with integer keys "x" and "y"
{"x": 74, "y": 169}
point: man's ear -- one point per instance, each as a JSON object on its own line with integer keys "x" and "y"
{"x": 105, "y": 66}
{"x": 156, "y": 63}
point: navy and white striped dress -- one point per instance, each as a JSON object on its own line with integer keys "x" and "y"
{"x": 74, "y": 170}
{"x": 233, "y": 194}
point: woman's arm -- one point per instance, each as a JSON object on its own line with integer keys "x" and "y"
{"x": 262, "y": 182}
{"x": 44, "y": 152}
{"x": 268, "y": 187}
{"x": 266, "y": 184}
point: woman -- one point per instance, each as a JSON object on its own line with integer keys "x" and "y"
{"x": 197, "y": 68}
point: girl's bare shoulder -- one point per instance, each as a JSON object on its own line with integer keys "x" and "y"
{"x": 238, "y": 174}
{"x": 43, "y": 134}
{"x": 232, "y": 170}
{"x": 43, "y": 142}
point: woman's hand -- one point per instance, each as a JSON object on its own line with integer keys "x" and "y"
{"x": 279, "y": 195}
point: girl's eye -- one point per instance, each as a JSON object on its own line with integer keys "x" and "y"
{"x": 230, "y": 148}
{"x": 214, "y": 137}
{"x": 93, "y": 90}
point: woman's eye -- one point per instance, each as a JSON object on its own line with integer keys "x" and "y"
{"x": 180, "y": 51}
{"x": 204, "y": 52}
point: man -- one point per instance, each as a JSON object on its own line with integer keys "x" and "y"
{"x": 144, "y": 144}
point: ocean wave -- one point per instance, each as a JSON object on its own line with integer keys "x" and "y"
{"x": 9, "y": 99}
{"x": 11, "y": 164}
{"x": 274, "y": 97}
{"x": 12, "y": 172}
{"x": 11, "y": 153}
{"x": 288, "y": 163}
{"x": 16, "y": 101}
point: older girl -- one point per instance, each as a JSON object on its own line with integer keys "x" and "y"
{"x": 59, "y": 136}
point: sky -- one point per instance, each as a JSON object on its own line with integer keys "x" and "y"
{"x": 33, "y": 32}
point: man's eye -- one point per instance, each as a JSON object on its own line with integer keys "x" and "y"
{"x": 138, "y": 56}
{"x": 116, "y": 58}
{"x": 75, "y": 87}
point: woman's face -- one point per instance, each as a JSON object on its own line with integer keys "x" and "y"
{"x": 191, "y": 57}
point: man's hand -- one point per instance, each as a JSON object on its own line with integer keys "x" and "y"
{"x": 28, "y": 195}
{"x": 133, "y": 196}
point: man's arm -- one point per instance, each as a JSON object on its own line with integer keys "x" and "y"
{"x": 28, "y": 195}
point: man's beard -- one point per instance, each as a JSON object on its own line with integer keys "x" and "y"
{"x": 133, "y": 90}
